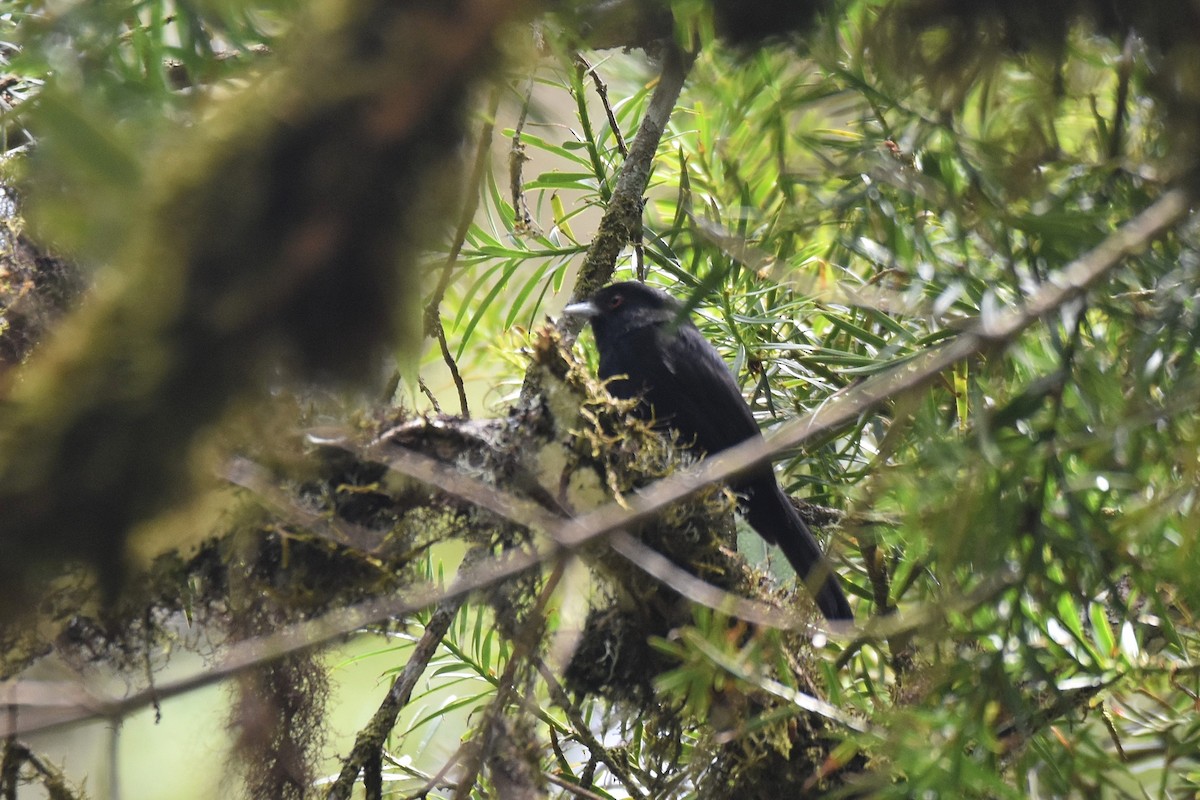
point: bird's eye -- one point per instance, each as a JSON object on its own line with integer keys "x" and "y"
{"x": 615, "y": 301}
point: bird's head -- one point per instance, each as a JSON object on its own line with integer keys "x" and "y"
{"x": 623, "y": 307}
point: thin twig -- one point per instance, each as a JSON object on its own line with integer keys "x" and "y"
{"x": 522, "y": 219}
{"x": 270, "y": 493}
{"x": 471, "y": 200}
{"x": 52, "y": 779}
{"x": 583, "y": 732}
{"x": 439, "y": 780}
{"x": 433, "y": 318}
{"x": 699, "y": 591}
{"x": 1120, "y": 104}
{"x": 147, "y": 663}
{"x": 448, "y": 357}
{"x": 802, "y": 700}
{"x": 180, "y": 77}
{"x": 368, "y": 745}
{"x": 424, "y": 387}
{"x": 602, "y": 91}
{"x": 573, "y": 788}
{"x": 10, "y": 762}
{"x": 587, "y": 135}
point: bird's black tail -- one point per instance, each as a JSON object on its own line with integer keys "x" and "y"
{"x": 771, "y": 513}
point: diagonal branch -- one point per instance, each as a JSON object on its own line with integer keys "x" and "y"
{"x": 989, "y": 334}
{"x": 523, "y": 512}
{"x": 368, "y": 745}
{"x": 623, "y": 215}
{"x": 622, "y": 218}
{"x": 604, "y": 755}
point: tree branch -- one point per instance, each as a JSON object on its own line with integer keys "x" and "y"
{"x": 584, "y": 733}
{"x": 569, "y": 535}
{"x": 524, "y": 647}
{"x": 368, "y": 746}
{"x": 624, "y": 212}
{"x": 433, "y": 318}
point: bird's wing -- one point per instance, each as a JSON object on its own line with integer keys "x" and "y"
{"x": 703, "y": 402}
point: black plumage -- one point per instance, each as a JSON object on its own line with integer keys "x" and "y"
{"x": 650, "y": 350}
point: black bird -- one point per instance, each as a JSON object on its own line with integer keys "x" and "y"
{"x": 650, "y": 350}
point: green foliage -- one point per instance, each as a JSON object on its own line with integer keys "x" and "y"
{"x": 832, "y": 216}
{"x": 830, "y": 211}
{"x": 126, "y": 77}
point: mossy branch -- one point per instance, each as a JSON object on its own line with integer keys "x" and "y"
{"x": 368, "y": 745}
{"x": 286, "y": 225}
{"x": 622, "y": 218}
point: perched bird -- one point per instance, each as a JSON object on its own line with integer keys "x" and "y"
{"x": 651, "y": 351}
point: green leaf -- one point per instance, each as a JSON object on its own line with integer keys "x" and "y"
{"x": 1101, "y": 630}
